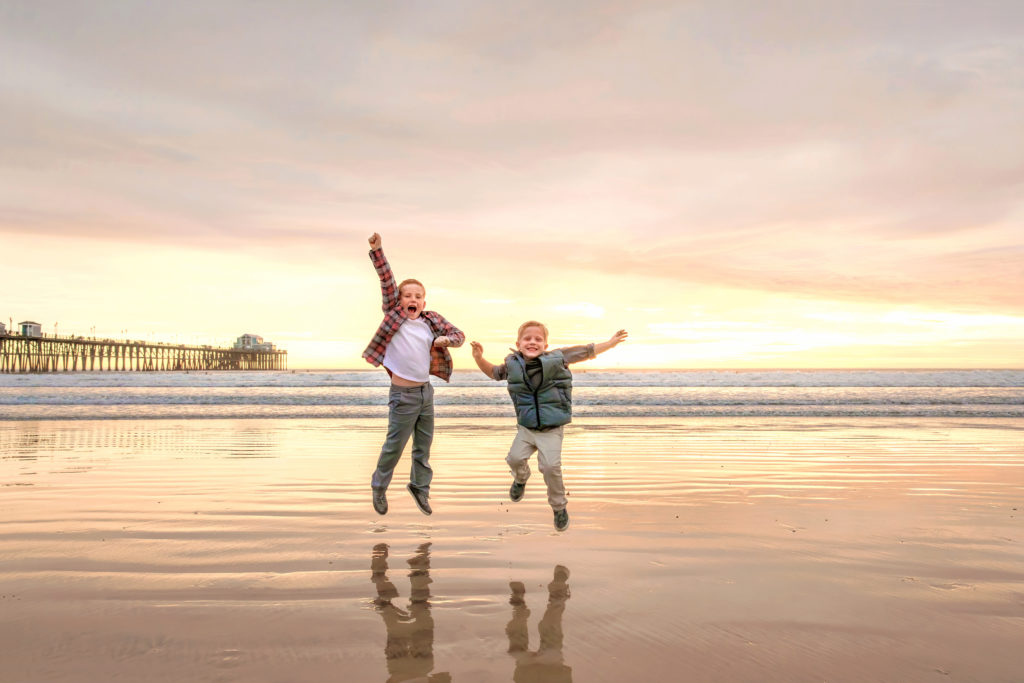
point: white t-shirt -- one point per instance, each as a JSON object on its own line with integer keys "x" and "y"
{"x": 408, "y": 352}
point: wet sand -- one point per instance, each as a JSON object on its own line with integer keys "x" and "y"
{"x": 699, "y": 549}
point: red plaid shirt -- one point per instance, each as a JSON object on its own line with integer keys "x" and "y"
{"x": 394, "y": 316}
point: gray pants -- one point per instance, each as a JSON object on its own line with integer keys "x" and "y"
{"x": 548, "y": 446}
{"x": 410, "y": 413}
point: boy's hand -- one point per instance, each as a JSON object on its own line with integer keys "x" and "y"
{"x": 618, "y": 337}
{"x": 478, "y": 355}
{"x": 375, "y": 241}
{"x": 442, "y": 341}
{"x": 615, "y": 340}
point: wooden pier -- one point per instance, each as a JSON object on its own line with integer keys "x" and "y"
{"x": 78, "y": 354}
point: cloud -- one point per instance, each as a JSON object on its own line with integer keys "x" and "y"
{"x": 854, "y": 150}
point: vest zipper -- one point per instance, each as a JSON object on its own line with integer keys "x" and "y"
{"x": 536, "y": 390}
{"x": 526, "y": 381}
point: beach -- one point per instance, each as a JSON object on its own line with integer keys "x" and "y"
{"x": 706, "y": 548}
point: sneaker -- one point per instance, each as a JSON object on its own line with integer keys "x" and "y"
{"x": 561, "y": 519}
{"x": 421, "y": 499}
{"x": 380, "y": 501}
{"x": 516, "y": 492}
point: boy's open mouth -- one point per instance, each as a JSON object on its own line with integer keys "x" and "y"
{"x": 411, "y": 308}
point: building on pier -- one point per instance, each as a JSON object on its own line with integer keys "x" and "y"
{"x": 3, "y": 330}
{"x": 252, "y": 342}
{"x": 31, "y": 329}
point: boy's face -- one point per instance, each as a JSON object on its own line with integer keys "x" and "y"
{"x": 413, "y": 301}
{"x": 531, "y": 343}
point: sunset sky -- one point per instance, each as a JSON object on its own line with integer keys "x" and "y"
{"x": 738, "y": 184}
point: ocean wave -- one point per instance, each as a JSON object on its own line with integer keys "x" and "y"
{"x": 494, "y": 395}
{"x": 582, "y": 377}
{"x": 605, "y": 393}
{"x": 192, "y": 411}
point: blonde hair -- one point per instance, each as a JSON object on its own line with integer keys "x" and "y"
{"x": 532, "y": 323}
{"x": 411, "y": 281}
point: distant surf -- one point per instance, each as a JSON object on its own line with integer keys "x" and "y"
{"x": 601, "y": 393}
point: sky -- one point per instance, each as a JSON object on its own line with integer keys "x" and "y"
{"x": 738, "y": 184}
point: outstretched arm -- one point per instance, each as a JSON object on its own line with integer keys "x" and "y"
{"x": 615, "y": 340}
{"x": 388, "y": 287}
{"x": 485, "y": 365}
{"x": 575, "y": 354}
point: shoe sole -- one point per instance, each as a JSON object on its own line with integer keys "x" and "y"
{"x": 416, "y": 500}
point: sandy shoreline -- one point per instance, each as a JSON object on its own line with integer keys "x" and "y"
{"x": 713, "y": 549}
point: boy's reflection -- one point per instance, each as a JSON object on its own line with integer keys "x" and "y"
{"x": 545, "y": 665}
{"x": 410, "y": 645}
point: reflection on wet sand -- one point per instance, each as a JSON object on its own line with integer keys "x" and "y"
{"x": 410, "y": 633}
{"x": 409, "y": 650}
{"x": 545, "y": 665}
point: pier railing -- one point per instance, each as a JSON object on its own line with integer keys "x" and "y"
{"x": 71, "y": 354}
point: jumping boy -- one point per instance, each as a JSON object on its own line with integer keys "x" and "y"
{"x": 540, "y": 385}
{"x": 412, "y": 344}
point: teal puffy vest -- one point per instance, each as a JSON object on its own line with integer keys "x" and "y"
{"x": 551, "y": 404}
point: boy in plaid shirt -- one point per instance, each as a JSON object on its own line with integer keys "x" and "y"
{"x": 412, "y": 344}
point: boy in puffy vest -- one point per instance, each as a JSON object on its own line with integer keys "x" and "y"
{"x": 540, "y": 385}
{"x": 412, "y": 344}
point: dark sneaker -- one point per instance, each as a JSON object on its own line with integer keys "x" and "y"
{"x": 380, "y": 501}
{"x": 561, "y": 519}
{"x": 421, "y": 499}
{"x": 516, "y": 492}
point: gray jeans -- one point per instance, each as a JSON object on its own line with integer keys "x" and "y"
{"x": 410, "y": 413}
{"x": 548, "y": 446}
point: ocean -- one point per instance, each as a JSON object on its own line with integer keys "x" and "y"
{"x": 597, "y": 393}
